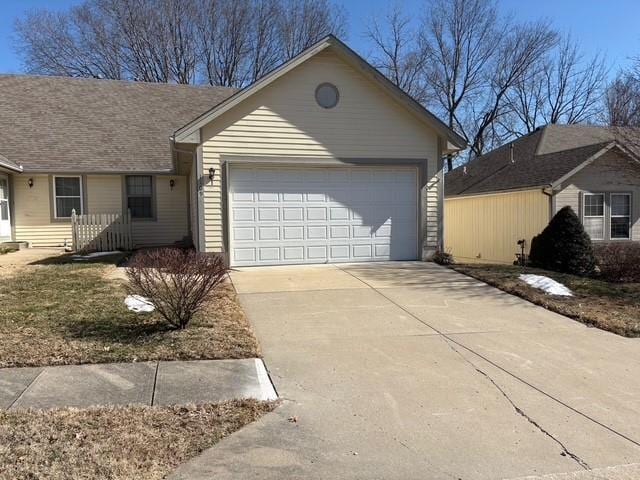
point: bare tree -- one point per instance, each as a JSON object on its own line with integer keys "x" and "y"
{"x": 398, "y": 53}
{"x": 521, "y": 48}
{"x": 222, "y": 42}
{"x": 564, "y": 88}
{"x": 460, "y": 37}
{"x": 302, "y": 23}
{"x": 622, "y": 101}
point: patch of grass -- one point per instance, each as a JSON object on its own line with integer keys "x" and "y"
{"x": 614, "y": 307}
{"x": 72, "y": 313}
{"x": 135, "y": 442}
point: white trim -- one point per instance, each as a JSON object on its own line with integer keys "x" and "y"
{"x": 5, "y": 177}
{"x": 603, "y": 216}
{"x": 55, "y": 196}
{"x": 629, "y": 216}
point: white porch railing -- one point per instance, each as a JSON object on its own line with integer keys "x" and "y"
{"x": 101, "y": 232}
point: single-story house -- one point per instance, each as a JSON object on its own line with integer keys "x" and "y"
{"x": 321, "y": 160}
{"x": 512, "y": 192}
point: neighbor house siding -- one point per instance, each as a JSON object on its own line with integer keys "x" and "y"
{"x": 612, "y": 172}
{"x": 102, "y": 194}
{"x": 486, "y": 228}
{"x": 283, "y": 120}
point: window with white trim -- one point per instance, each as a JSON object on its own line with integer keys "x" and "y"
{"x": 620, "y": 216}
{"x": 67, "y": 193}
{"x": 593, "y": 215}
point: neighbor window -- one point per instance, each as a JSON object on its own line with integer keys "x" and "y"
{"x": 620, "y": 216}
{"x": 68, "y": 196}
{"x": 140, "y": 196}
{"x": 593, "y": 215}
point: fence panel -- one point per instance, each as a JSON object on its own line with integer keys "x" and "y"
{"x": 102, "y": 232}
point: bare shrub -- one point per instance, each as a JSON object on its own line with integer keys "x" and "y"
{"x": 619, "y": 262}
{"x": 176, "y": 281}
{"x": 442, "y": 258}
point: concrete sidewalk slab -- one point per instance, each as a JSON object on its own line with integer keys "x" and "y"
{"x": 146, "y": 383}
{"x": 89, "y": 385}
{"x": 212, "y": 381}
{"x": 14, "y": 381}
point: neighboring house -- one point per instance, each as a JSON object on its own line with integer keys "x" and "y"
{"x": 322, "y": 160}
{"x": 511, "y": 193}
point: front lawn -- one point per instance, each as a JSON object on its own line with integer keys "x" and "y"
{"x": 610, "y": 306}
{"x": 132, "y": 443}
{"x": 71, "y": 313}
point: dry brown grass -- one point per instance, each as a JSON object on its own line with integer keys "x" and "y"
{"x": 74, "y": 313}
{"x": 140, "y": 443}
{"x": 614, "y": 307}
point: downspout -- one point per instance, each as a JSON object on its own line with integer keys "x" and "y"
{"x": 552, "y": 200}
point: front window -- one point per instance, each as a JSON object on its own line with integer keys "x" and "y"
{"x": 4, "y": 199}
{"x": 140, "y": 196}
{"x": 68, "y": 196}
{"x": 593, "y": 217}
{"x": 620, "y": 216}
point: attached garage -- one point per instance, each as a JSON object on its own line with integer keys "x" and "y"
{"x": 322, "y": 160}
{"x": 282, "y": 215}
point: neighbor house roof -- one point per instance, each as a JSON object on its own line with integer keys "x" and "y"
{"x": 57, "y": 124}
{"x": 189, "y": 132}
{"x": 536, "y": 160}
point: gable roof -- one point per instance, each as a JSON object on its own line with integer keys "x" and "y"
{"x": 58, "y": 124}
{"x": 540, "y": 159}
{"x": 190, "y": 131}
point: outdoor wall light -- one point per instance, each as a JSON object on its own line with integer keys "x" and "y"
{"x": 212, "y": 172}
{"x": 30, "y": 182}
{"x": 172, "y": 183}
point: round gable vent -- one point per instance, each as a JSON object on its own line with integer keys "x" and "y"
{"x": 327, "y": 95}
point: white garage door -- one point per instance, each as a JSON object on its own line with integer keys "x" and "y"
{"x": 322, "y": 215}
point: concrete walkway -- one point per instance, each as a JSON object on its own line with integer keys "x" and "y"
{"x": 411, "y": 371}
{"x": 147, "y": 383}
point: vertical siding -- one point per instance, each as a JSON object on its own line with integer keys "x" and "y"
{"x": 485, "y": 229}
{"x": 283, "y": 120}
{"x": 610, "y": 173}
{"x": 103, "y": 194}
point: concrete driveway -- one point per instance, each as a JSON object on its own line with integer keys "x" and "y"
{"x": 413, "y": 371}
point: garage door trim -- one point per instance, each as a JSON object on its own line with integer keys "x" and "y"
{"x": 319, "y": 163}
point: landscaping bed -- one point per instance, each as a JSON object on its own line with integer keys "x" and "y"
{"x": 136, "y": 442}
{"x": 73, "y": 312}
{"x": 614, "y": 307}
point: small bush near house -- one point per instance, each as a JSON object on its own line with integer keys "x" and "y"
{"x": 442, "y": 258}
{"x": 619, "y": 262}
{"x": 563, "y": 246}
{"x": 176, "y": 281}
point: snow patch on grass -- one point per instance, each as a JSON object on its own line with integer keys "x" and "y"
{"x": 548, "y": 285}
{"x": 139, "y": 304}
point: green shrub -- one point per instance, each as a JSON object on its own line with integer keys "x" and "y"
{"x": 563, "y": 246}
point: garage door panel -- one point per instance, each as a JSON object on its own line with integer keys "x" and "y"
{"x": 319, "y": 215}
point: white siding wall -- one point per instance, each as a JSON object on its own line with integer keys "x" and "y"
{"x": 612, "y": 172}
{"x": 283, "y": 120}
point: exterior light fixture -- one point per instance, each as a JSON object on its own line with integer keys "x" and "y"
{"x": 172, "y": 183}
{"x": 30, "y": 182}
{"x": 212, "y": 172}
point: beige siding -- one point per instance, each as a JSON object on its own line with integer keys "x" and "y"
{"x": 32, "y": 217}
{"x": 172, "y": 222}
{"x": 283, "y": 120}
{"x": 610, "y": 173}
{"x": 103, "y": 194}
{"x": 485, "y": 229}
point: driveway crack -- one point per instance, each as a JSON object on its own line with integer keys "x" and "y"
{"x": 565, "y": 451}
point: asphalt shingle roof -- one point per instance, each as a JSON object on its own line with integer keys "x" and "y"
{"x": 55, "y": 124}
{"x": 539, "y": 159}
